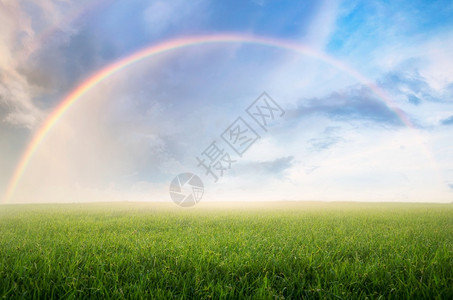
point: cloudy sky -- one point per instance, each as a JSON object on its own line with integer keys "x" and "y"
{"x": 367, "y": 101}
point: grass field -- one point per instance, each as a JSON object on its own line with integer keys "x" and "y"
{"x": 270, "y": 250}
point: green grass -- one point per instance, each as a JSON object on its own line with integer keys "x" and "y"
{"x": 286, "y": 250}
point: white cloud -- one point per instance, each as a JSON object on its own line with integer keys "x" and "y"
{"x": 15, "y": 93}
{"x": 24, "y": 29}
{"x": 322, "y": 25}
{"x": 161, "y": 15}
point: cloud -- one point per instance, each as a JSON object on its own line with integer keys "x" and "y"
{"x": 414, "y": 99}
{"x": 269, "y": 168}
{"x": 16, "y": 105}
{"x": 164, "y": 16}
{"x": 354, "y": 103}
{"x": 322, "y": 26}
{"x": 447, "y": 121}
{"x": 15, "y": 93}
{"x": 323, "y": 143}
{"x": 410, "y": 85}
{"x": 450, "y": 185}
{"x": 411, "y": 92}
{"x": 406, "y": 83}
{"x": 26, "y": 30}
{"x": 278, "y": 165}
{"x": 259, "y": 2}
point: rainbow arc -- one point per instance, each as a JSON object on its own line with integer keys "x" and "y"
{"x": 153, "y": 50}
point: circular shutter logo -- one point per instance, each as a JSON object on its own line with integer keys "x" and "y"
{"x": 186, "y": 189}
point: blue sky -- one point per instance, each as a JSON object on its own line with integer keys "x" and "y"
{"x": 129, "y": 136}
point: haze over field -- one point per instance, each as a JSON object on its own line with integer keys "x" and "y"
{"x": 366, "y": 86}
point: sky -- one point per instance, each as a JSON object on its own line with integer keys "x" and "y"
{"x": 358, "y": 103}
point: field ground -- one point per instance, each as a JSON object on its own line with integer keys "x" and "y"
{"x": 266, "y": 250}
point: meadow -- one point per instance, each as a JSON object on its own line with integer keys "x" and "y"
{"x": 264, "y": 251}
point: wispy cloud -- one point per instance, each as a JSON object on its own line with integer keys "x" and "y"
{"x": 409, "y": 85}
{"x": 164, "y": 16}
{"x": 274, "y": 167}
{"x": 354, "y": 103}
{"x": 322, "y": 25}
{"x": 323, "y": 143}
{"x": 447, "y": 121}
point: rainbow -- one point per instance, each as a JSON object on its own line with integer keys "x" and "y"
{"x": 170, "y": 45}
